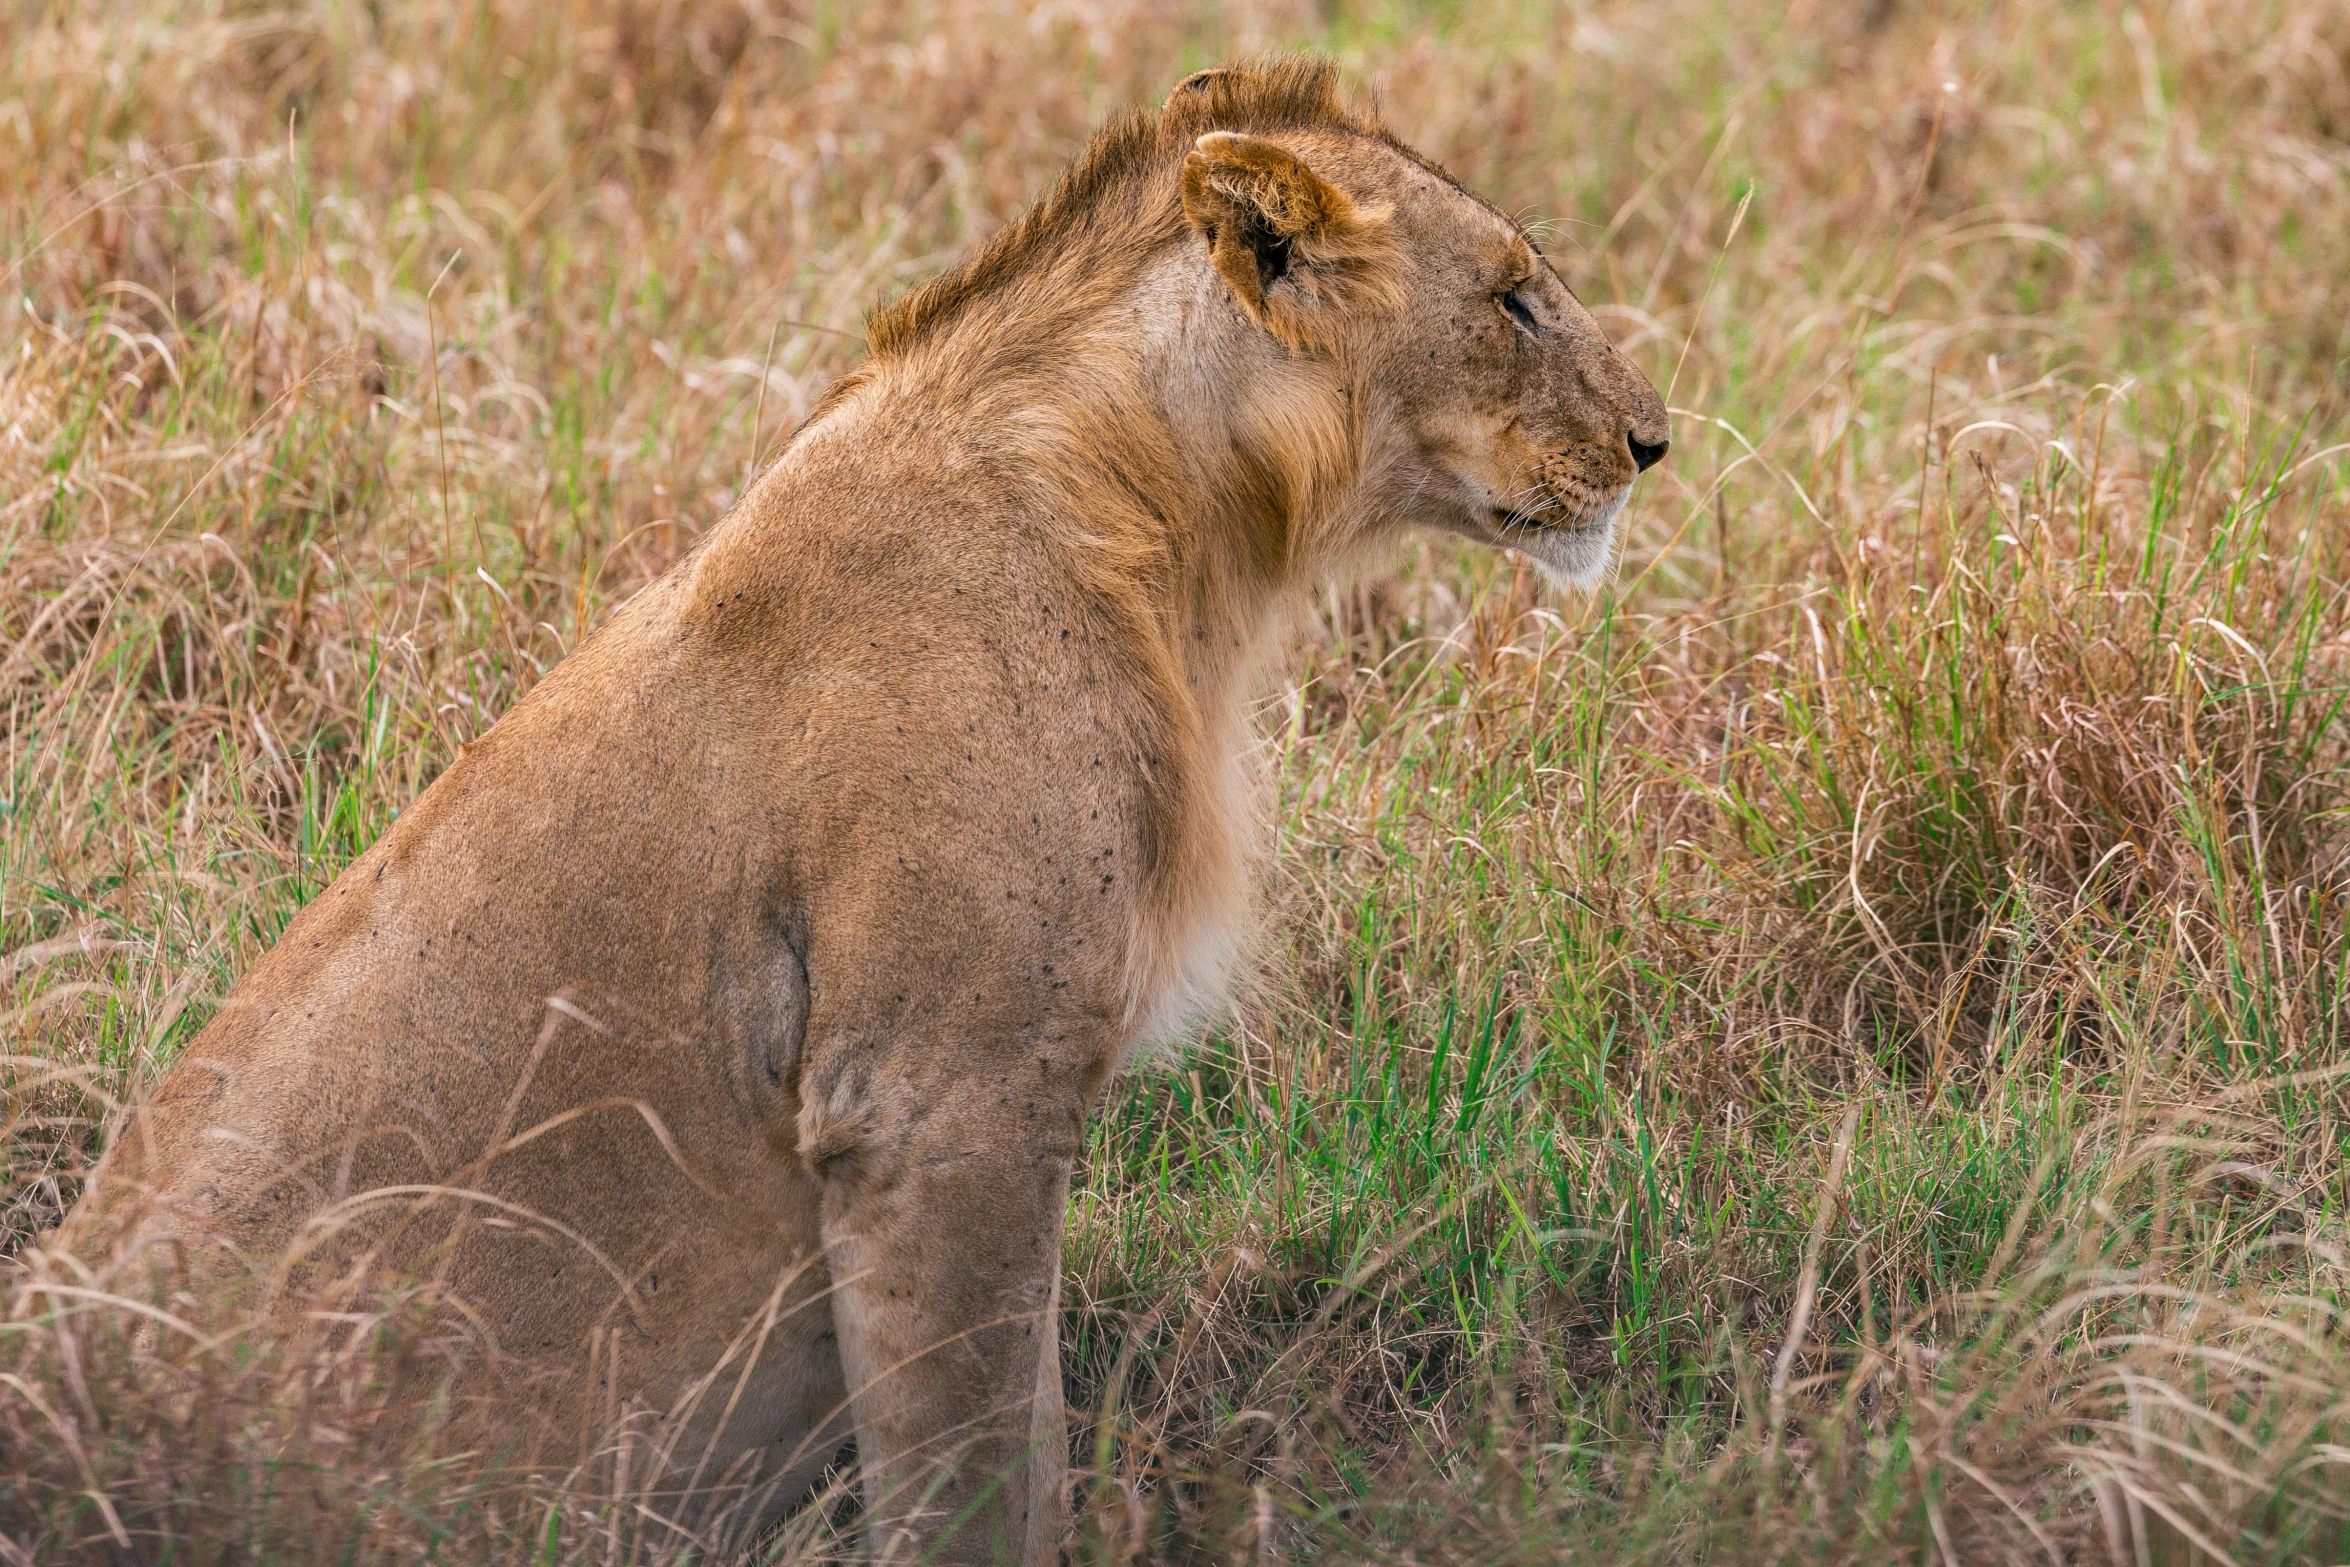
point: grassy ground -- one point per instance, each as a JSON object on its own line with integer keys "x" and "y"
{"x": 1834, "y": 1051}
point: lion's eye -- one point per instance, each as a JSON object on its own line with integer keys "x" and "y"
{"x": 1514, "y": 302}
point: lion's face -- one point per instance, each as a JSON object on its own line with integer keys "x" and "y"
{"x": 1521, "y": 425}
{"x": 1497, "y": 409}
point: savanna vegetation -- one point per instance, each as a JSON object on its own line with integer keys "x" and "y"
{"x": 1834, "y": 1051}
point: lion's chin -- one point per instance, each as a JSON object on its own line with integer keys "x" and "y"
{"x": 1575, "y": 556}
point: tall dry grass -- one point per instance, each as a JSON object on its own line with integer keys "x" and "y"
{"x": 1833, "y": 1052}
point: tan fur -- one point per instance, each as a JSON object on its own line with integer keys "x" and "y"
{"x": 1237, "y": 189}
{"x": 728, "y": 1016}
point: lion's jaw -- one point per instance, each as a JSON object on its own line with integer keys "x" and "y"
{"x": 1574, "y": 555}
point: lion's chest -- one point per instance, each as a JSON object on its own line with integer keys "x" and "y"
{"x": 1193, "y": 932}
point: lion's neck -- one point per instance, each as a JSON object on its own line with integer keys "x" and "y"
{"x": 1197, "y": 471}
{"x": 1269, "y": 456}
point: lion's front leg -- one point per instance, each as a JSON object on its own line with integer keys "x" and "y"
{"x": 942, "y": 1214}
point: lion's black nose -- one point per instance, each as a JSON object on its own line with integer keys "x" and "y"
{"x": 1645, "y": 455}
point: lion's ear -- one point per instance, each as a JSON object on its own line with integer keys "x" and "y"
{"x": 1198, "y": 82}
{"x": 1297, "y": 251}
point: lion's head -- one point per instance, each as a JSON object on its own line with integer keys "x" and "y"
{"x": 1475, "y": 393}
{"x": 1496, "y": 408}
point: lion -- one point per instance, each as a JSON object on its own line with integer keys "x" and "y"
{"x": 722, "y": 1025}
